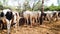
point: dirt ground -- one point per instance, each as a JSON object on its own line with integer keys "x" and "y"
{"x": 45, "y": 28}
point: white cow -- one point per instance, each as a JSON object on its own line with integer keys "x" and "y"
{"x": 26, "y": 15}
{"x": 49, "y": 15}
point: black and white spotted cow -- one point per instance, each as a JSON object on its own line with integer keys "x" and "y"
{"x": 9, "y": 18}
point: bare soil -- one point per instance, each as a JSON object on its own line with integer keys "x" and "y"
{"x": 45, "y": 28}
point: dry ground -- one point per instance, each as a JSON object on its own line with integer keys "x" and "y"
{"x": 46, "y": 28}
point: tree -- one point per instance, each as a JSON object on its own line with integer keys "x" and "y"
{"x": 58, "y": 2}
{"x": 26, "y": 5}
{"x": 41, "y": 18}
{"x": 5, "y": 2}
{"x": 1, "y": 6}
{"x": 0, "y": 3}
{"x": 37, "y": 5}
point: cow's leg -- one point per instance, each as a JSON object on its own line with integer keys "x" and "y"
{"x": 16, "y": 27}
{"x": 18, "y": 23}
{"x": 36, "y": 19}
{"x": 1, "y": 26}
{"x": 31, "y": 21}
{"x": 49, "y": 19}
{"x": 27, "y": 21}
{"x": 54, "y": 18}
{"x": 57, "y": 18}
{"x": 8, "y": 26}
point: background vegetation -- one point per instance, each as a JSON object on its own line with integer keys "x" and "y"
{"x": 26, "y": 6}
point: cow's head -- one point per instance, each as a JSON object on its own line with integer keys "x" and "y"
{"x": 9, "y": 15}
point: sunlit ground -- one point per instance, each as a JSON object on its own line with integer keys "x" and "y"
{"x": 46, "y": 28}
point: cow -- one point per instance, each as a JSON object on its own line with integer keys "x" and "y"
{"x": 46, "y": 16}
{"x": 22, "y": 21}
{"x": 9, "y": 18}
{"x": 55, "y": 16}
{"x": 26, "y": 15}
{"x": 22, "y": 18}
{"x": 17, "y": 19}
{"x": 38, "y": 16}
{"x": 51, "y": 15}
{"x": 34, "y": 18}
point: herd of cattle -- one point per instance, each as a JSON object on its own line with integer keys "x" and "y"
{"x": 9, "y": 18}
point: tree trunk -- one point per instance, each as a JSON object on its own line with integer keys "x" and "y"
{"x": 41, "y": 18}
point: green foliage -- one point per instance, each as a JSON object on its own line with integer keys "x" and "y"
{"x": 52, "y": 8}
{"x": 6, "y": 7}
{"x": 26, "y": 6}
{"x": 1, "y": 7}
{"x": 37, "y": 6}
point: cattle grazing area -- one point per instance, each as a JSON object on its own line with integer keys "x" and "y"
{"x": 29, "y": 22}
{"x": 52, "y": 28}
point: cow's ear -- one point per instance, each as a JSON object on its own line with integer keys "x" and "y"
{"x": 2, "y": 14}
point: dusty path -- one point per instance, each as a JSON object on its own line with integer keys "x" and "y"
{"x": 52, "y": 28}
